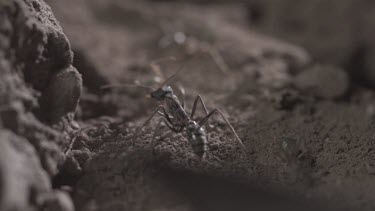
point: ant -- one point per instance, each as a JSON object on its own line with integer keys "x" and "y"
{"x": 176, "y": 118}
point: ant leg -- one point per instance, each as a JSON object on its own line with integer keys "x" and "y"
{"x": 161, "y": 114}
{"x": 154, "y": 136}
{"x": 167, "y": 117}
{"x": 216, "y": 110}
{"x": 155, "y": 67}
{"x": 195, "y": 106}
{"x": 218, "y": 59}
{"x": 149, "y": 119}
{"x": 164, "y": 115}
{"x": 204, "y": 108}
{"x": 157, "y": 129}
{"x": 182, "y": 92}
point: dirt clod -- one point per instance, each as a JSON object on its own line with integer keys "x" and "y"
{"x": 39, "y": 91}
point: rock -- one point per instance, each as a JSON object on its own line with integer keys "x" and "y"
{"x": 35, "y": 64}
{"x": 34, "y": 42}
{"x": 33, "y": 45}
{"x": 58, "y": 201}
{"x": 71, "y": 167}
{"x": 81, "y": 155}
{"x": 40, "y": 46}
{"x": 324, "y": 81}
{"x": 61, "y": 97}
{"x": 22, "y": 176}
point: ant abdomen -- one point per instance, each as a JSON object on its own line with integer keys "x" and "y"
{"x": 197, "y": 138}
{"x": 200, "y": 148}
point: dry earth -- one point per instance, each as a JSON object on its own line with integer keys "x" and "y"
{"x": 308, "y": 127}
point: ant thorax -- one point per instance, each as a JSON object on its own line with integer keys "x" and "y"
{"x": 176, "y": 110}
{"x": 193, "y": 128}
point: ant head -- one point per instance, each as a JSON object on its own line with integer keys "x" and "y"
{"x": 164, "y": 89}
{"x": 160, "y": 93}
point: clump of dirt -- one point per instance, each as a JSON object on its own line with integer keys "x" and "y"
{"x": 39, "y": 92}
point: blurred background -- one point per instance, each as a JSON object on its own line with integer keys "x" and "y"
{"x": 334, "y": 32}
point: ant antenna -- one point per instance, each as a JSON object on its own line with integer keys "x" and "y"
{"x": 178, "y": 70}
{"x": 163, "y": 59}
{"x": 126, "y": 85}
{"x": 154, "y": 64}
{"x": 157, "y": 71}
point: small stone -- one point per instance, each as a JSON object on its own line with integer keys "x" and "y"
{"x": 81, "y": 155}
{"x": 62, "y": 95}
{"x": 80, "y": 142}
{"x": 58, "y": 201}
{"x": 72, "y": 167}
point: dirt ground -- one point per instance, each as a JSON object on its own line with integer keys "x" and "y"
{"x": 308, "y": 129}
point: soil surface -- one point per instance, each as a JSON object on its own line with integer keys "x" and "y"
{"x": 308, "y": 127}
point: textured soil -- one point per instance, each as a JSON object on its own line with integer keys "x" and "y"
{"x": 308, "y": 127}
{"x": 308, "y": 130}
